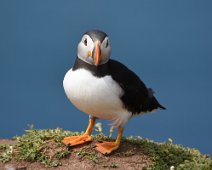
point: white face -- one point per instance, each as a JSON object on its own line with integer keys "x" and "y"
{"x": 94, "y": 53}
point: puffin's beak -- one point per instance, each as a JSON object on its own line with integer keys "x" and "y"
{"x": 97, "y": 54}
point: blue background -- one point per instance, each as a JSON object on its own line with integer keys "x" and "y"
{"x": 167, "y": 43}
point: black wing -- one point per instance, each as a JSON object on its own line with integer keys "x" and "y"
{"x": 137, "y": 97}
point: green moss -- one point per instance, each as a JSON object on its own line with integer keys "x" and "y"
{"x": 45, "y": 146}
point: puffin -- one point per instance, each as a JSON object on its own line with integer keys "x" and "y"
{"x": 104, "y": 88}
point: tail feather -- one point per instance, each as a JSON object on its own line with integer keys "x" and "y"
{"x": 152, "y": 104}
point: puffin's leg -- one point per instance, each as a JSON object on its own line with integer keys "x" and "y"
{"x": 86, "y": 137}
{"x": 108, "y": 147}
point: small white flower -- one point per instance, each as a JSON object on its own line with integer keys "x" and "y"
{"x": 139, "y": 137}
{"x": 172, "y": 168}
{"x": 99, "y": 127}
{"x": 111, "y": 131}
{"x": 11, "y": 149}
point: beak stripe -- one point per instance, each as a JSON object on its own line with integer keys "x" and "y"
{"x": 97, "y": 54}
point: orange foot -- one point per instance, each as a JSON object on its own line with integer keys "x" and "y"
{"x": 77, "y": 140}
{"x": 106, "y": 147}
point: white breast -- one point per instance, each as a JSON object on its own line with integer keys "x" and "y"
{"x": 99, "y": 97}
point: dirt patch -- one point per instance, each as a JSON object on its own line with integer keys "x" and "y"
{"x": 7, "y": 141}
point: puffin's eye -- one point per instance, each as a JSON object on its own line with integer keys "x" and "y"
{"x": 107, "y": 43}
{"x": 85, "y": 41}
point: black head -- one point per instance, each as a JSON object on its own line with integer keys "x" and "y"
{"x": 94, "y": 47}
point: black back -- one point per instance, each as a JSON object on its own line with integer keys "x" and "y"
{"x": 137, "y": 97}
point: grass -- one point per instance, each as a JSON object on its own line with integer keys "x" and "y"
{"x": 45, "y": 146}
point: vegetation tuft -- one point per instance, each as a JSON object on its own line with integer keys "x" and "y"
{"x": 43, "y": 146}
{"x": 167, "y": 155}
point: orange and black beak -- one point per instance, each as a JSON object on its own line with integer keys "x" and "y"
{"x": 97, "y": 54}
